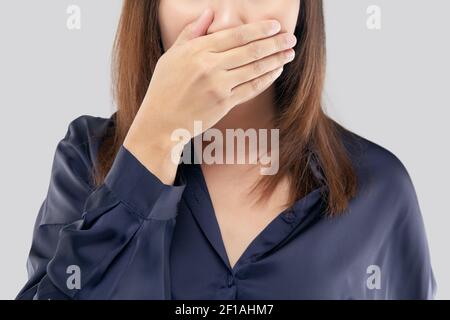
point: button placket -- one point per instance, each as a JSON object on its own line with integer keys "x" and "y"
{"x": 230, "y": 280}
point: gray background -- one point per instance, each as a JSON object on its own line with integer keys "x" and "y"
{"x": 390, "y": 86}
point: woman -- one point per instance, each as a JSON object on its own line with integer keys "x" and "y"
{"x": 125, "y": 218}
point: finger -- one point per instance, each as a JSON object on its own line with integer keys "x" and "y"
{"x": 251, "y": 89}
{"x": 257, "y": 50}
{"x": 196, "y": 28}
{"x": 258, "y": 68}
{"x": 235, "y": 37}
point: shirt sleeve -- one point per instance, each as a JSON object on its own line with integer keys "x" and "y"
{"x": 88, "y": 240}
{"x": 408, "y": 270}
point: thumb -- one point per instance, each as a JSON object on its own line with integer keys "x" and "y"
{"x": 196, "y": 28}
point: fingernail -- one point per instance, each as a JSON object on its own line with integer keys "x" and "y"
{"x": 276, "y": 26}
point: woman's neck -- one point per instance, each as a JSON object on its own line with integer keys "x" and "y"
{"x": 253, "y": 115}
{"x": 256, "y": 113}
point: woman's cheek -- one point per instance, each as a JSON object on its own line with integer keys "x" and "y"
{"x": 285, "y": 11}
{"x": 173, "y": 17}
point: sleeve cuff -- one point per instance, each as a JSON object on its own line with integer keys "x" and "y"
{"x": 141, "y": 190}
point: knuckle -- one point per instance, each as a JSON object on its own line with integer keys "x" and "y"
{"x": 257, "y": 84}
{"x": 255, "y": 51}
{"x": 188, "y": 51}
{"x": 211, "y": 93}
{"x": 281, "y": 58}
{"x": 204, "y": 66}
{"x": 222, "y": 103}
{"x": 215, "y": 94}
{"x": 196, "y": 44}
{"x": 239, "y": 36}
{"x": 280, "y": 43}
{"x": 258, "y": 67}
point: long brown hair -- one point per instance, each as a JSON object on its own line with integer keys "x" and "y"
{"x": 305, "y": 130}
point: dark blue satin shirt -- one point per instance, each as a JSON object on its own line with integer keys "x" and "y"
{"x": 137, "y": 238}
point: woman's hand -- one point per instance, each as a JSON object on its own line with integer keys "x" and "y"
{"x": 201, "y": 78}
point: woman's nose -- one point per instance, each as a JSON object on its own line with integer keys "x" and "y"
{"x": 227, "y": 14}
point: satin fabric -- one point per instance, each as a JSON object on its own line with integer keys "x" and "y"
{"x": 134, "y": 237}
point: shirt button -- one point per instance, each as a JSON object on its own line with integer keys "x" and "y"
{"x": 196, "y": 198}
{"x": 230, "y": 281}
{"x": 289, "y": 216}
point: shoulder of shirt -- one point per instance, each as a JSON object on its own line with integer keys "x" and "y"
{"x": 86, "y": 129}
{"x": 378, "y": 168}
{"x": 82, "y": 140}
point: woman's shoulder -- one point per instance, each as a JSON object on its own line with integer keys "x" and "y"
{"x": 377, "y": 166}
{"x": 87, "y": 129}
{"x": 389, "y": 212}
{"x": 70, "y": 179}
{"x": 385, "y": 187}
{"x": 79, "y": 147}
